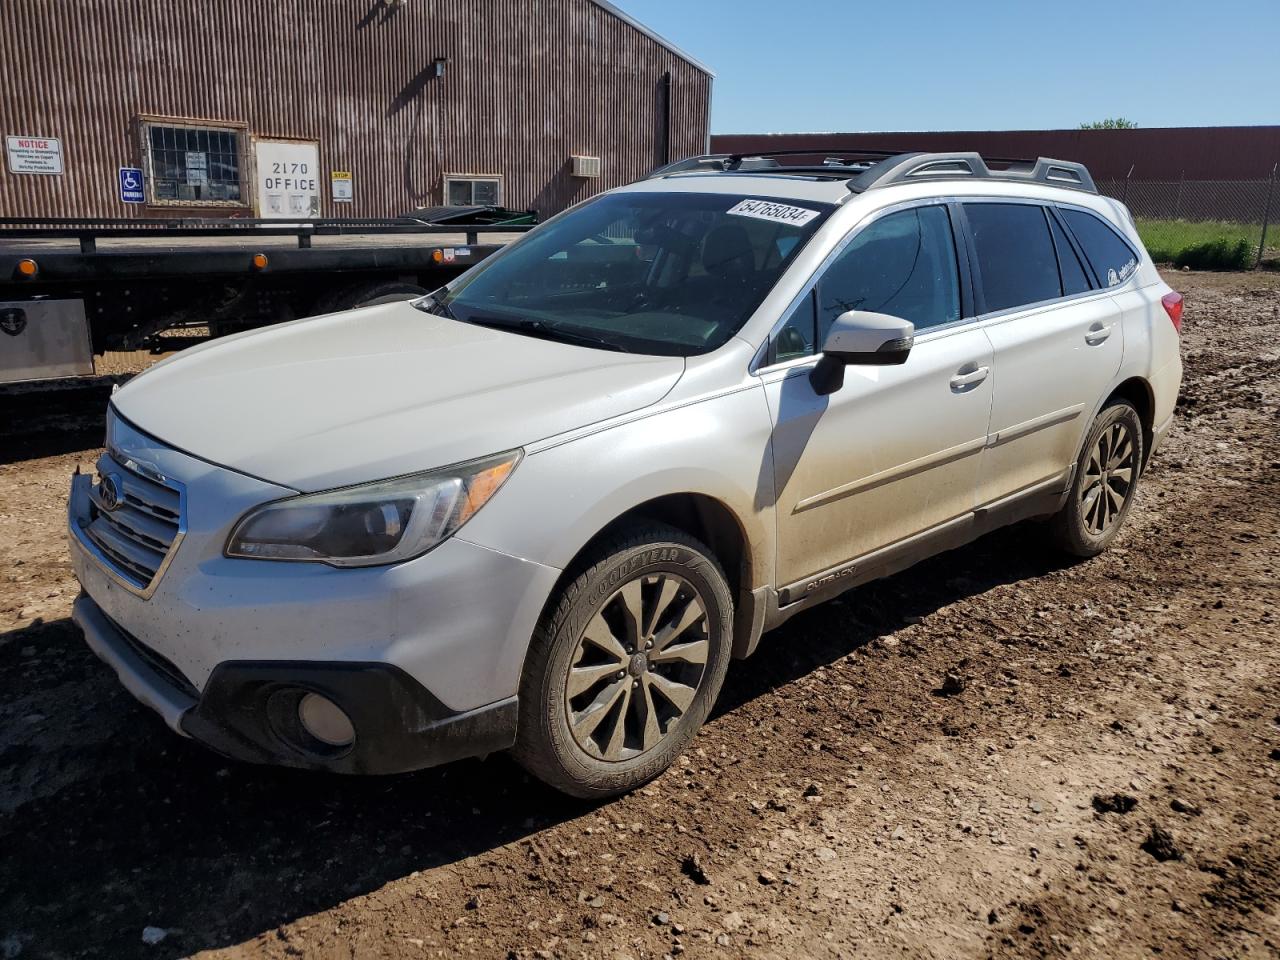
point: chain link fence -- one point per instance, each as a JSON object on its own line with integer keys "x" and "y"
{"x": 1213, "y": 224}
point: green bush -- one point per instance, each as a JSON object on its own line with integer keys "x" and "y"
{"x": 1203, "y": 245}
{"x": 1219, "y": 254}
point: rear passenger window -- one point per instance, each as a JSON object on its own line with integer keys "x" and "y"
{"x": 1074, "y": 278}
{"x": 1113, "y": 260}
{"x": 1015, "y": 254}
{"x": 903, "y": 264}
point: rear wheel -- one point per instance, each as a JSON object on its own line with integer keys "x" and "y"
{"x": 1105, "y": 483}
{"x": 626, "y": 668}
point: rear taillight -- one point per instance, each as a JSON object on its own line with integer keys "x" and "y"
{"x": 1172, "y": 302}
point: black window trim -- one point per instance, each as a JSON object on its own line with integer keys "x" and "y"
{"x": 763, "y": 360}
{"x": 1089, "y": 273}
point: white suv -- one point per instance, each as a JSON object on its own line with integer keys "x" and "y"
{"x": 542, "y": 508}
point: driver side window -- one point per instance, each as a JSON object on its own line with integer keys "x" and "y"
{"x": 903, "y": 264}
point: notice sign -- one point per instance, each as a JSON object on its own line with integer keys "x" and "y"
{"x": 197, "y": 167}
{"x": 340, "y": 182}
{"x": 34, "y": 154}
{"x": 288, "y": 179}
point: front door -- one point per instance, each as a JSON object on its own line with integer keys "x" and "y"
{"x": 897, "y": 449}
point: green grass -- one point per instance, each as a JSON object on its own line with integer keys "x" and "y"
{"x": 1204, "y": 244}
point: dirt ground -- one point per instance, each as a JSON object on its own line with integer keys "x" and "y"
{"x": 1105, "y": 784}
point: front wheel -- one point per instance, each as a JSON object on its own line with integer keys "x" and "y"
{"x": 626, "y": 667}
{"x": 1105, "y": 483}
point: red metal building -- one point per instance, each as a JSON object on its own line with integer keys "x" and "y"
{"x": 1155, "y": 153}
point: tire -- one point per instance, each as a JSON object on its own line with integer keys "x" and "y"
{"x": 664, "y": 574}
{"x": 1109, "y": 467}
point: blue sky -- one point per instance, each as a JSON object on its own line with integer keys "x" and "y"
{"x": 800, "y": 66}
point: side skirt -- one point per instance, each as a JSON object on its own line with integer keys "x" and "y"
{"x": 1042, "y": 499}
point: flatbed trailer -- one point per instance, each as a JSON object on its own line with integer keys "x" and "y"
{"x": 73, "y": 289}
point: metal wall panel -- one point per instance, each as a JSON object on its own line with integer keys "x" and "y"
{"x": 527, "y": 84}
{"x": 1157, "y": 153}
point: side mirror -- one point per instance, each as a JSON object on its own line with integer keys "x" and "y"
{"x": 863, "y": 338}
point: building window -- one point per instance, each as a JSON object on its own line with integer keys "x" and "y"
{"x": 194, "y": 163}
{"x": 467, "y": 191}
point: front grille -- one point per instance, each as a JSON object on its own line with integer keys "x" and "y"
{"x": 140, "y": 530}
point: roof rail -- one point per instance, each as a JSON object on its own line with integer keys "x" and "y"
{"x": 914, "y": 167}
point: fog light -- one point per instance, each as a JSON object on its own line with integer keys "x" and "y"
{"x": 324, "y": 720}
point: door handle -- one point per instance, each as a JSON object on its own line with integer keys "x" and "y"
{"x": 962, "y": 380}
{"x": 1097, "y": 335}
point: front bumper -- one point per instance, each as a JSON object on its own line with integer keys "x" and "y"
{"x": 399, "y": 724}
{"x": 425, "y": 655}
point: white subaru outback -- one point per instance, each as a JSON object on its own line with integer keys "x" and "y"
{"x": 541, "y": 508}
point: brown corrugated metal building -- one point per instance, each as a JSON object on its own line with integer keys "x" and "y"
{"x": 286, "y": 107}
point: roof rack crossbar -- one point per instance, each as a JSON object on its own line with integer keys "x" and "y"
{"x": 888, "y": 167}
{"x": 914, "y": 167}
{"x": 764, "y": 160}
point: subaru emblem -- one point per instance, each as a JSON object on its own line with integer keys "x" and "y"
{"x": 109, "y": 492}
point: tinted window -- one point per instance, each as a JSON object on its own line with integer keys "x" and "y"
{"x": 903, "y": 264}
{"x": 1015, "y": 254}
{"x": 1074, "y": 278}
{"x": 1113, "y": 260}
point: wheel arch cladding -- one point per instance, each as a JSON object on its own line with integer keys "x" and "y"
{"x": 1137, "y": 392}
{"x": 702, "y": 517}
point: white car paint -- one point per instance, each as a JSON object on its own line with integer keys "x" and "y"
{"x": 375, "y": 393}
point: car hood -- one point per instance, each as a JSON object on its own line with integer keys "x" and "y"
{"x": 380, "y": 392}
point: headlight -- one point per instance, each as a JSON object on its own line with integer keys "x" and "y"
{"x": 374, "y": 523}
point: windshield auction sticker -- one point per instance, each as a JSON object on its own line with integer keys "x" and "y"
{"x": 775, "y": 212}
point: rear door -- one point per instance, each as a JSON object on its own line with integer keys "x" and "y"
{"x": 1057, "y": 339}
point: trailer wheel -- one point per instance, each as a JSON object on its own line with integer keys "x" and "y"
{"x": 372, "y": 294}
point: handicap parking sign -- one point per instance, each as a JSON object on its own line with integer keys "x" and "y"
{"x": 131, "y": 185}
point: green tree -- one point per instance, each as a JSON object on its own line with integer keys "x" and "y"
{"x": 1111, "y": 123}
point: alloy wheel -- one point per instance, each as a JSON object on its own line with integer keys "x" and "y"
{"x": 637, "y": 667}
{"x": 1109, "y": 479}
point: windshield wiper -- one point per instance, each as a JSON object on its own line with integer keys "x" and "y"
{"x": 434, "y": 304}
{"x": 545, "y": 331}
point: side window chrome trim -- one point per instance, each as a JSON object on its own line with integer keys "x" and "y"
{"x": 755, "y": 368}
{"x": 1039, "y": 305}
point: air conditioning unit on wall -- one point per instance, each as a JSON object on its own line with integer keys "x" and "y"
{"x": 585, "y": 166}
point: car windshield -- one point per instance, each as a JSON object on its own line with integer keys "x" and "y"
{"x": 675, "y": 274}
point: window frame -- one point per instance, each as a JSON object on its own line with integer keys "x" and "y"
{"x": 1090, "y": 277}
{"x": 764, "y": 360}
{"x": 473, "y": 178}
{"x": 145, "y": 123}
